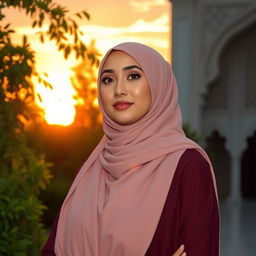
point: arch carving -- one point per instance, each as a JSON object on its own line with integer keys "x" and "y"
{"x": 231, "y": 20}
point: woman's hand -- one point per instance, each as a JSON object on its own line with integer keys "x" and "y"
{"x": 180, "y": 251}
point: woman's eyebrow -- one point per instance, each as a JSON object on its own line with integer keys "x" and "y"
{"x": 107, "y": 71}
{"x": 124, "y": 69}
{"x": 131, "y": 67}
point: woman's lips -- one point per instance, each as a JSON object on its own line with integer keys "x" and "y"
{"x": 122, "y": 105}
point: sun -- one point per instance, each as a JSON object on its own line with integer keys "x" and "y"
{"x": 58, "y": 103}
{"x": 59, "y": 112}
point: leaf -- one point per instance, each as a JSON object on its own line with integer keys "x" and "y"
{"x": 61, "y": 46}
{"x": 53, "y": 35}
{"x": 65, "y": 26}
{"x": 79, "y": 15}
{"x": 75, "y": 38}
{"x": 7, "y": 26}
{"x": 34, "y": 23}
{"x": 82, "y": 50}
{"x": 42, "y": 38}
{"x": 41, "y": 16}
{"x": 40, "y": 23}
{"x": 74, "y": 24}
{"x": 39, "y": 97}
{"x": 82, "y": 47}
{"x": 24, "y": 40}
{"x": 86, "y": 14}
{"x": 64, "y": 37}
{"x": 1, "y": 16}
{"x": 67, "y": 52}
{"x": 51, "y": 28}
{"x": 71, "y": 30}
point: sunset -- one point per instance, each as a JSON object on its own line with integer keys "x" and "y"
{"x": 143, "y": 21}
{"x": 50, "y": 120}
{"x": 58, "y": 103}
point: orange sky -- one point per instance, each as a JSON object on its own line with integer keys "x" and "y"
{"x": 112, "y": 22}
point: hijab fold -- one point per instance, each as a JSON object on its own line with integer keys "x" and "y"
{"x": 115, "y": 202}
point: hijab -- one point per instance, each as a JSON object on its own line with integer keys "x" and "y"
{"x": 116, "y": 200}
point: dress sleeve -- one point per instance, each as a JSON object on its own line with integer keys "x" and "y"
{"x": 199, "y": 229}
{"x": 48, "y": 249}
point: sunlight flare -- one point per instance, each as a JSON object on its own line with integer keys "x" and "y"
{"x": 58, "y": 103}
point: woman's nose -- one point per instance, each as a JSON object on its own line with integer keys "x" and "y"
{"x": 120, "y": 89}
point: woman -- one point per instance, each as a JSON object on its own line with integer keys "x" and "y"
{"x": 146, "y": 189}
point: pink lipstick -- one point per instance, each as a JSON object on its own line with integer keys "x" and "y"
{"x": 122, "y": 105}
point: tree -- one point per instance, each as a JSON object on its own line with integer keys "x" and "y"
{"x": 84, "y": 82}
{"x": 23, "y": 173}
{"x": 190, "y": 133}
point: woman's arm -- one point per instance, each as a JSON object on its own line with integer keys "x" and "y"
{"x": 199, "y": 230}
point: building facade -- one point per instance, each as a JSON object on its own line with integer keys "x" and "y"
{"x": 214, "y": 60}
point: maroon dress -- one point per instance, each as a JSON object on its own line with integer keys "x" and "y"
{"x": 190, "y": 215}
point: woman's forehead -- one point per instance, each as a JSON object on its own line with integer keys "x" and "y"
{"x": 117, "y": 58}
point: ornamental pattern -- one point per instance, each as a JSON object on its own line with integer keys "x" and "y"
{"x": 250, "y": 91}
{"x": 217, "y": 17}
{"x": 217, "y": 96}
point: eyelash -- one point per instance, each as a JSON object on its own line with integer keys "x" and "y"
{"x": 134, "y": 76}
{"x": 104, "y": 80}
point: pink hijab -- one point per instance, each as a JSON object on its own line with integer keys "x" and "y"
{"x": 115, "y": 202}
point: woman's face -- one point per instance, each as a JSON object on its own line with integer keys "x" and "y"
{"x": 124, "y": 89}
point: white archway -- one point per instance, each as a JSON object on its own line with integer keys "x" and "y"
{"x": 212, "y": 60}
{"x": 234, "y": 115}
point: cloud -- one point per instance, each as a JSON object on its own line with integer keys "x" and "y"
{"x": 159, "y": 25}
{"x": 145, "y": 6}
{"x": 154, "y": 33}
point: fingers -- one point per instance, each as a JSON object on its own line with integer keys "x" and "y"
{"x": 180, "y": 251}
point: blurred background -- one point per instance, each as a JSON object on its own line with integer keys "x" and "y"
{"x": 49, "y": 116}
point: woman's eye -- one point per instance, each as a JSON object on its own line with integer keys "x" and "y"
{"x": 106, "y": 80}
{"x": 134, "y": 76}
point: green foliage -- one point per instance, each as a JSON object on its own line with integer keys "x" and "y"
{"x": 23, "y": 173}
{"x": 66, "y": 148}
{"x": 190, "y": 133}
{"x": 62, "y": 27}
{"x": 85, "y": 84}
